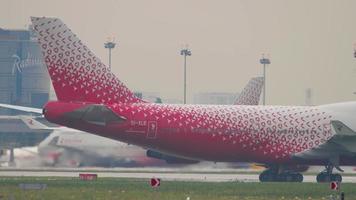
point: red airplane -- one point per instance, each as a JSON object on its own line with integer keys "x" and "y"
{"x": 91, "y": 98}
{"x": 250, "y": 95}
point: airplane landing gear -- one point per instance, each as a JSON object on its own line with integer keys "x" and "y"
{"x": 273, "y": 175}
{"x": 324, "y": 177}
{"x": 328, "y": 176}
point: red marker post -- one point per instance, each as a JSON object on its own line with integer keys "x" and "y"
{"x": 334, "y": 185}
{"x": 88, "y": 177}
{"x": 155, "y": 182}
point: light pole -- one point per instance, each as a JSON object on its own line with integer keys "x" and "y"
{"x": 354, "y": 57}
{"x": 264, "y": 61}
{"x": 185, "y": 52}
{"x": 110, "y": 45}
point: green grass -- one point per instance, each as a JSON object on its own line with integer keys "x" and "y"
{"x": 127, "y": 189}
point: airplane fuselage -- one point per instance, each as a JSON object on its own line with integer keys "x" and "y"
{"x": 266, "y": 134}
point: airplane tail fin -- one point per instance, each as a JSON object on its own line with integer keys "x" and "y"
{"x": 250, "y": 95}
{"x": 76, "y": 73}
{"x": 32, "y": 123}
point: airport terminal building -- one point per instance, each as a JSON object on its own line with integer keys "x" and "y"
{"x": 23, "y": 81}
{"x": 23, "y": 76}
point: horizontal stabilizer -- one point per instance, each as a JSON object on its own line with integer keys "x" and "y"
{"x": 22, "y": 108}
{"x": 341, "y": 143}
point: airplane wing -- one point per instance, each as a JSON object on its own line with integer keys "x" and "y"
{"x": 250, "y": 95}
{"x": 22, "y": 108}
{"x": 342, "y": 143}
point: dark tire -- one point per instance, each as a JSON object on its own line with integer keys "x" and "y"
{"x": 298, "y": 178}
{"x": 337, "y": 177}
{"x": 267, "y": 176}
{"x": 320, "y": 178}
{"x": 262, "y": 177}
{"x": 287, "y": 177}
{"x": 328, "y": 178}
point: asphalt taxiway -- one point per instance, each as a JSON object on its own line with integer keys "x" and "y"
{"x": 164, "y": 175}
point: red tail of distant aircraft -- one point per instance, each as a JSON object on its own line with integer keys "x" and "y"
{"x": 92, "y": 99}
{"x": 250, "y": 95}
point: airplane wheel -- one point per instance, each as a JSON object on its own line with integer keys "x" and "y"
{"x": 298, "y": 178}
{"x": 336, "y": 177}
{"x": 286, "y": 177}
{"x": 320, "y": 178}
{"x": 267, "y": 176}
{"x": 291, "y": 177}
{"x": 326, "y": 178}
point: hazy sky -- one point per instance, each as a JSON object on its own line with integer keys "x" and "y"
{"x": 310, "y": 43}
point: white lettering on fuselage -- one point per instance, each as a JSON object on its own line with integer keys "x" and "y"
{"x": 138, "y": 123}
